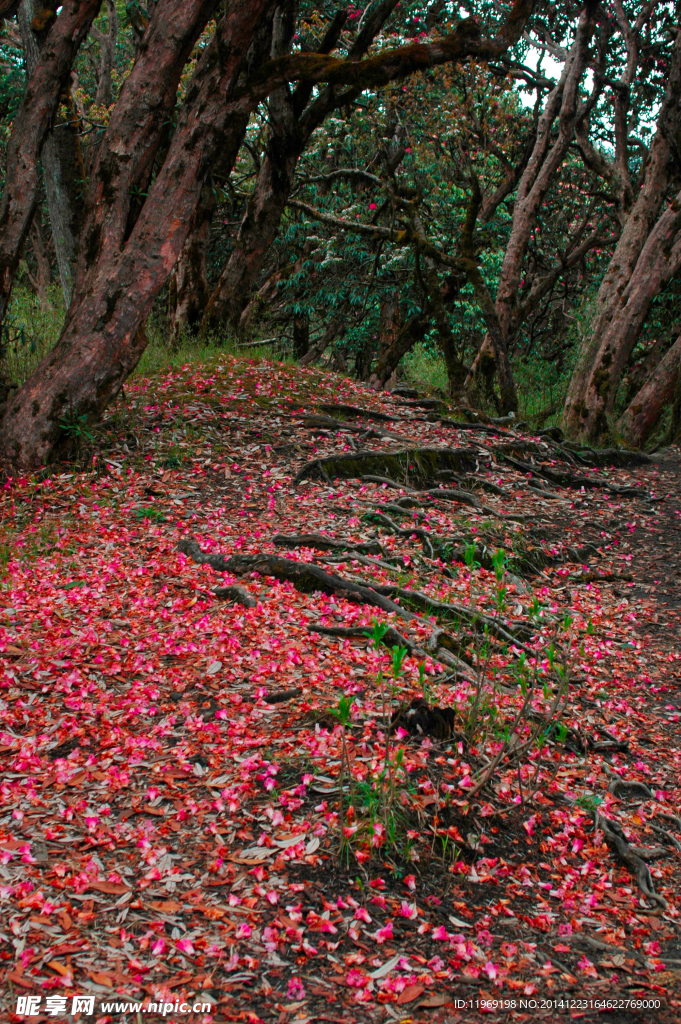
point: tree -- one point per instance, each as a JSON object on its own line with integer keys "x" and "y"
{"x": 137, "y": 215}
{"x": 648, "y": 254}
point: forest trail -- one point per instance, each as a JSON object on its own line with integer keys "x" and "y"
{"x": 172, "y": 765}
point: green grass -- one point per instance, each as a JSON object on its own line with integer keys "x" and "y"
{"x": 425, "y": 366}
{"x": 29, "y": 332}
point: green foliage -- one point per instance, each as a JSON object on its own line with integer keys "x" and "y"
{"x": 76, "y": 427}
{"x": 29, "y": 332}
{"x": 152, "y": 514}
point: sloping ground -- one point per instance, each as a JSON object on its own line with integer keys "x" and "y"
{"x": 184, "y": 820}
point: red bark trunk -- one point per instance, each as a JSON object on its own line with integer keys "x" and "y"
{"x": 624, "y": 297}
{"x": 101, "y": 341}
{"x": 188, "y": 290}
{"x": 618, "y": 327}
{"x": 547, "y": 156}
{"x": 135, "y": 130}
{"x": 388, "y": 360}
{"x": 643, "y": 414}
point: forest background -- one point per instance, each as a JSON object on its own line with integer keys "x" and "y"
{"x": 487, "y": 203}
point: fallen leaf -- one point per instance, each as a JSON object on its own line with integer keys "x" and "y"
{"x": 437, "y": 999}
{"x": 101, "y": 979}
{"x": 112, "y": 888}
{"x": 410, "y": 993}
{"x": 165, "y": 906}
{"x": 59, "y": 968}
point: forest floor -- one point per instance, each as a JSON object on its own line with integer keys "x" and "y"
{"x": 183, "y": 818}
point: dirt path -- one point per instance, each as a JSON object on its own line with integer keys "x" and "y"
{"x": 170, "y": 824}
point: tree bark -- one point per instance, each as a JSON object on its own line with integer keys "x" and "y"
{"x": 456, "y": 371}
{"x": 107, "y": 41}
{"x": 31, "y": 125}
{"x": 494, "y": 343}
{"x": 389, "y": 320}
{"x": 388, "y": 360}
{"x": 314, "y": 353}
{"x": 301, "y": 335}
{"x": 136, "y": 128}
{"x": 547, "y": 156}
{"x": 623, "y": 297}
{"x": 643, "y": 414}
{"x": 618, "y": 326}
{"x": 41, "y": 280}
{"x": 188, "y": 290}
{"x": 61, "y": 164}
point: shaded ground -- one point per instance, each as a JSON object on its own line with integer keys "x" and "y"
{"x": 168, "y": 834}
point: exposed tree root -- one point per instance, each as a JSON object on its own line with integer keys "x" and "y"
{"x": 622, "y": 457}
{"x": 305, "y": 576}
{"x": 386, "y": 480}
{"x": 629, "y": 856}
{"x": 237, "y": 594}
{"x": 482, "y": 427}
{"x": 628, "y": 790}
{"x": 412, "y": 465}
{"x": 321, "y": 543}
{"x": 466, "y": 498}
{"x": 566, "y": 479}
{"x": 352, "y": 556}
{"x": 470, "y": 615}
{"x": 419, "y": 718}
{"x": 390, "y": 638}
{"x": 633, "y": 858}
{"x": 353, "y": 410}
{"x": 330, "y": 423}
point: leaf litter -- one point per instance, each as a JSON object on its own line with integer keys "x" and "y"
{"x": 216, "y": 786}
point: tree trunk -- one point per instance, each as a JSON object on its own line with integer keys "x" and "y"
{"x": 31, "y": 125}
{"x": 622, "y": 295}
{"x": 388, "y": 360}
{"x": 60, "y": 163}
{"x": 289, "y": 136}
{"x": 136, "y": 129}
{"x": 616, "y": 330}
{"x": 41, "y": 280}
{"x": 101, "y": 341}
{"x": 333, "y": 328}
{"x": 107, "y": 42}
{"x": 563, "y": 103}
{"x": 188, "y": 290}
{"x": 494, "y": 341}
{"x": 301, "y": 335}
{"x": 643, "y": 414}
{"x": 389, "y": 321}
{"x": 456, "y": 371}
